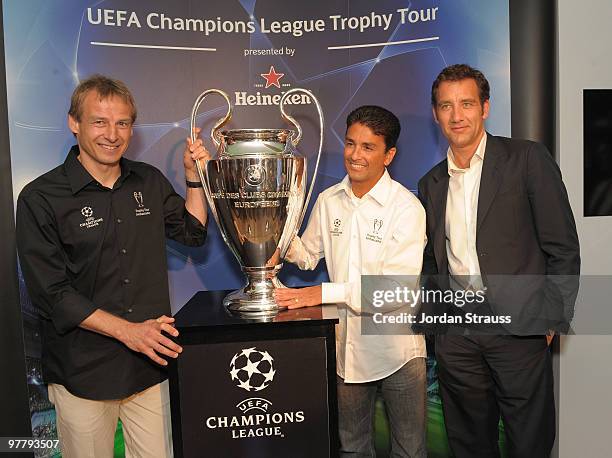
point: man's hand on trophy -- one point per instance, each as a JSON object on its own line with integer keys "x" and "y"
{"x": 194, "y": 151}
{"x": 294, "y": 298}
{"x": 274, "y": 259}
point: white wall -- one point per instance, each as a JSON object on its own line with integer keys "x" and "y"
{"x": 585, "y": 61}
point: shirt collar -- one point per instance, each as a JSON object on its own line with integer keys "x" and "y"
{"x": 79, "y": 177}
{"x": 453, "y": 168}
{"x": 380, "y": 192}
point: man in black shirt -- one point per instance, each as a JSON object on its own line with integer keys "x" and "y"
{"x": 91, "y": 237}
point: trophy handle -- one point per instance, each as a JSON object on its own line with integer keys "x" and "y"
{"x": 215, "y": 135}
{"x": 299, "y": 137}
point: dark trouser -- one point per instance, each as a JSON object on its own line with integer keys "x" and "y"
{"x": 404, "y": 393}
{"x": 483, "y": 376}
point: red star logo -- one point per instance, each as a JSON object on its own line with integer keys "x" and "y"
{"x": 272, "y": 77}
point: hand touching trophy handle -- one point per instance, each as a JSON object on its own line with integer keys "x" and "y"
{"x": 299, "y": 137}
{"x": 214, "y": 135}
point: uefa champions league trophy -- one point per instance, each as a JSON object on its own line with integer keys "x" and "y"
{"x": 256, "y": 190}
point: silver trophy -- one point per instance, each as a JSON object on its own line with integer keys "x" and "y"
{"x": 256, "y": 190}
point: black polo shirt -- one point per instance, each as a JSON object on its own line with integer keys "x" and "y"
{"x": 83, "y": 246}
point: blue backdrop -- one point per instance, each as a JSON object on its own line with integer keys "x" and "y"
{"x": 51, "y": 45}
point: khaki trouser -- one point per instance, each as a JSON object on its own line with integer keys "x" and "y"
{"x": 86, "y": 428}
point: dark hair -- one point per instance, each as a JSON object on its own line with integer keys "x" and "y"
{"x": 460, "y": 72}
{"x": 381, "y": 121}
{"x": 105, "y": 87}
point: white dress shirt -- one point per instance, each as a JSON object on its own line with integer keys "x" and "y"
{"x": 461, "y": 215}
{"x": 383, "y": 233}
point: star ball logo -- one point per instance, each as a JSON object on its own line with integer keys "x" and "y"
{"x": 90, "y": 221}
{"x": 336, "y": 230}
{"x": 87, "y": 212}
{"x": 252, "y": 369}
{"x": 269, "y": 80}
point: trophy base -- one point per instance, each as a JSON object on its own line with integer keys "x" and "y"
{"x": 256, "y": 300}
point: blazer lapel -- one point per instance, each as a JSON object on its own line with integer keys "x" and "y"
{"x": 438, "y": 201}
{"x": 490, "y": 179}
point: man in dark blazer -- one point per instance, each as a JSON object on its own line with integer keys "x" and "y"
{"x": 497, "y": 211}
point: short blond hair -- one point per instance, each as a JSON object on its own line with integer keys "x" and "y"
{"x": 105, "y": 87}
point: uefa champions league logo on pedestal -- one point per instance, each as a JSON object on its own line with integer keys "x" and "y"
{"x": 252, "y": 370}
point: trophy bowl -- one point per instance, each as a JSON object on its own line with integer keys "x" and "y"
{"x": 256, "y": 190}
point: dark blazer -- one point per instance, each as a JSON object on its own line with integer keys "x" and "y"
{"x": 525, "y": 225}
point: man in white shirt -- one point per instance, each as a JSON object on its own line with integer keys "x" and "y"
{"x": 368, "y": 224}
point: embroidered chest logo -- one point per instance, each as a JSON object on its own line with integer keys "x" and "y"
{"x": 377, "y": 225}
{"x": 376, "y": 234}
{"x": 336, "y": 229}
{"x": 140, "y": 210}
{"x": 90, "y": 219}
